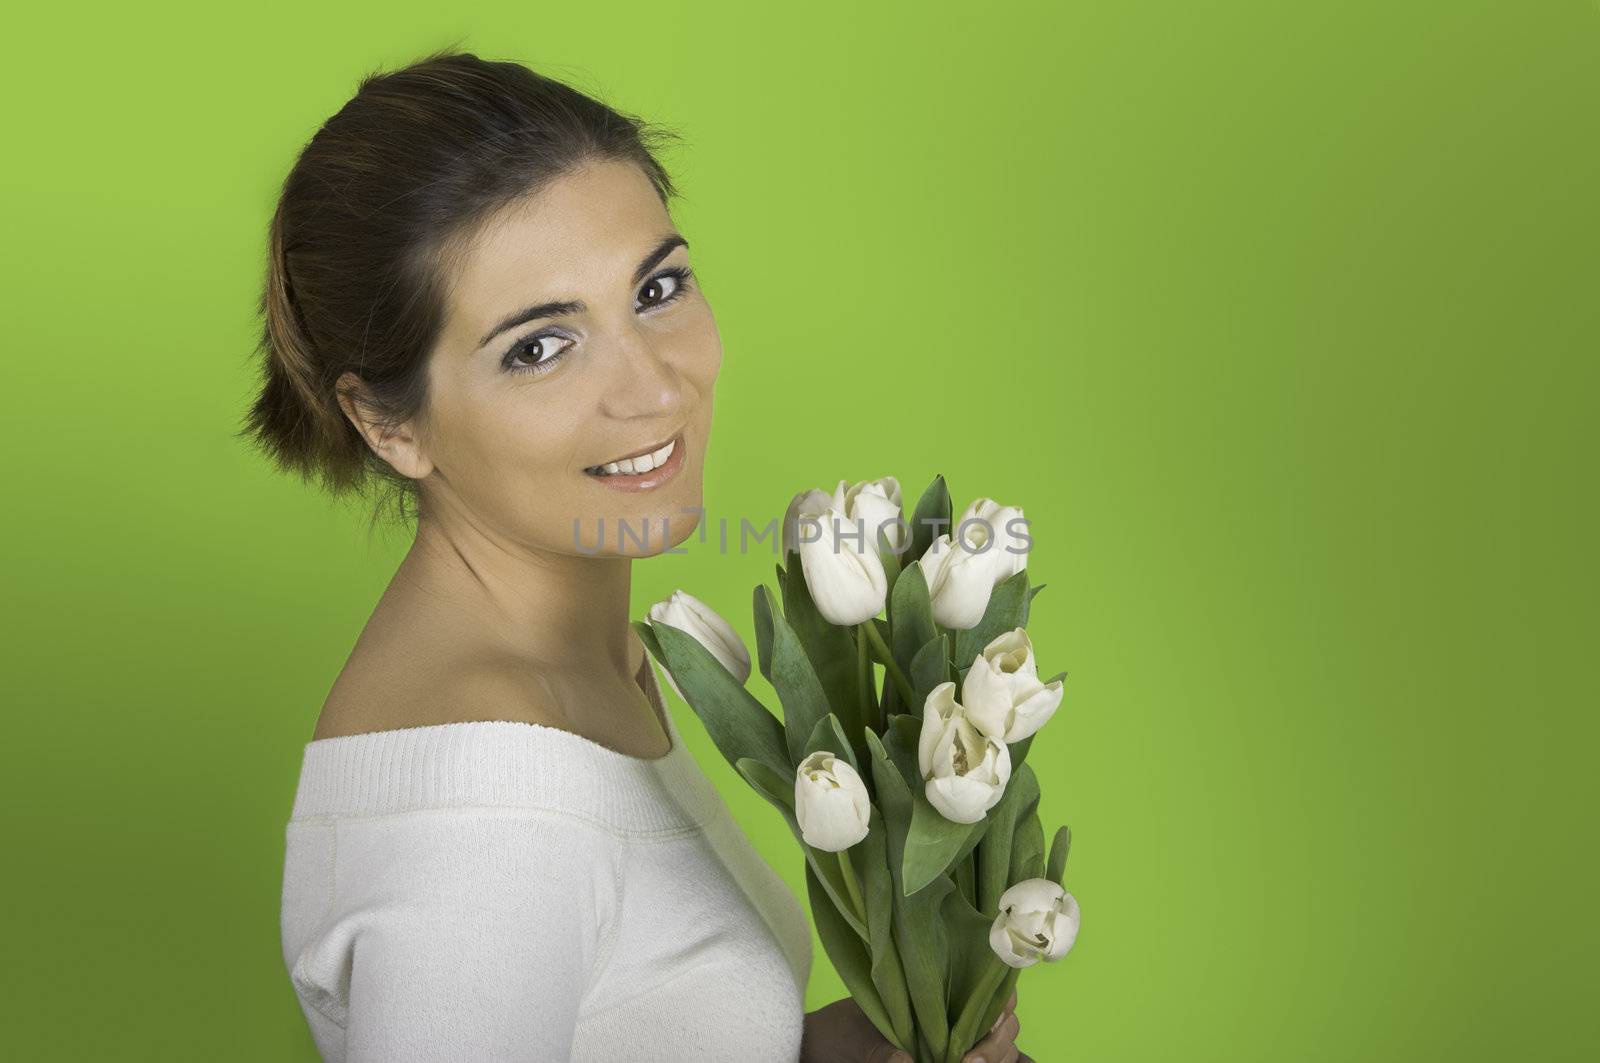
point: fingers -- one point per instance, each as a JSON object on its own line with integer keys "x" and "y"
{"x": 1000, "y": 1046}
{"x": 1011, "y": 1007}
{"x": 998, "y": 1054}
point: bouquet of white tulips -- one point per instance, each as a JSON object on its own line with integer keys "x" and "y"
{"x": 918, "y": 814}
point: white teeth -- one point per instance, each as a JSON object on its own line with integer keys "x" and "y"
{"x": 642, "y": 464}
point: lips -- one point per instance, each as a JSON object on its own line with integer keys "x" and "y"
{"x": 651, "y": 449}
{"x": 639, "y": 461}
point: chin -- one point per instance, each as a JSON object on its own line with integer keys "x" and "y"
{"x": 654, "y": 524}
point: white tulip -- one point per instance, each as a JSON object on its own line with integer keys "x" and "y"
{"x": 959, "y": 580}
{"x": 845, "y": 576}
{"x": 964, "y": 770}
{"x": 689, "y": 614}
{"x": 1038, "y": 920}
{"x": 876, "y": 503}
{"x": 1006, "y": 526}
{"x": 962, "y": 566}
{"x": 830, "y": 802}
{"x": 1002, "y": 692}
{"x": 804, "y": 505}
{"x": 873, "y": 503}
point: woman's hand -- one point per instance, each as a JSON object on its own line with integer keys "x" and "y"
{"x": 841, "y": 1033}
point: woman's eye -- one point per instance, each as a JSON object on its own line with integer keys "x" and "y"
{"x": 534, "y": 355}
{"x": 666, "y": 286}
{"x": 537, "y": 354}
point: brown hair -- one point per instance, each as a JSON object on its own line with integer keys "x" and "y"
{"x": 365, "y": 234}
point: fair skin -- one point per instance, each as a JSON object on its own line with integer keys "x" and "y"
{"x": 500, "y": 610}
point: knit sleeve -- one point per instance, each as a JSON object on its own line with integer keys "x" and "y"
{"x": 464, "y": 934}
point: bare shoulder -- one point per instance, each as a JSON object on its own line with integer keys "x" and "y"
{"x": 389, "y": 687}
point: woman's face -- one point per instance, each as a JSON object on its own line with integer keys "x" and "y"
{"x": 525, "y": 399}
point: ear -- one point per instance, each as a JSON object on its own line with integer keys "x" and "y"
{"x": 397, "y": 444}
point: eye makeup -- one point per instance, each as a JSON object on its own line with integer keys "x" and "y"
{"x": 683, "y": 283}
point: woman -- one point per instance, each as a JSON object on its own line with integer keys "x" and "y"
{"x": 478, "y": 309}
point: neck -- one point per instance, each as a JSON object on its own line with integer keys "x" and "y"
{"x": 555, "y": 611}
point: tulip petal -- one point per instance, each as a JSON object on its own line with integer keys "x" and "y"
{"x": 847, "y": 582}
{"x": 1035, "y": 712}
{"x": 959, "y": 797}
{"x": 986, "y": 694}
{"x": 690, "y": 615}
{"x": 1004, "y": 945}
{"x": 938, "y": 707}
{"x": 832, "y": 807}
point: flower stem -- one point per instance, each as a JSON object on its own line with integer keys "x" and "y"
{"x": 850, "y": 885}
{"x": 906, "y": 693}
{"x": 962, "y": 1035}
{"x": 869, "y": 700}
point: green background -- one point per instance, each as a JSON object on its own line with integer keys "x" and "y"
{"x": 1278, "y": 320}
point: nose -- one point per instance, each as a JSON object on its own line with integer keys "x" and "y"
{"x": 648, "y": 383}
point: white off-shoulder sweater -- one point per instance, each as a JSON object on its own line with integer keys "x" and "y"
{"x": 508, "y": 891}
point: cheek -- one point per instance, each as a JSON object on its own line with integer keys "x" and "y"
{"x": 518, "y": 472}
{"x": 705, "y": 353}
{"x": 528, "y": 437}
{"x": 497, "y": 434}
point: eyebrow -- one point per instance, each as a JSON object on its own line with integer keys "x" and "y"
{"x": 575, "y": 306}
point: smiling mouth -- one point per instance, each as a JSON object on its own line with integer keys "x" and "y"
{"x": 639, "y": 462}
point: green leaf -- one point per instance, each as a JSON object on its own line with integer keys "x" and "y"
{"x": 780, "y": 795}
{"x": 1006, "y": 610}
{"x": 738, "y": 723}
{"x": 829, "y": 734}
{"x": 970, "y": 953}
{"x": 929, "y": 667}
{"x": 894, "y": 796}
{"x": 1027, "y": 850}
{"x": 934, "y": 505}
{"x": 763, "y": 615}
{"x": 890, "y": 699}
{"x": 1056, "y": 870}
{"x": 919, "y": 932}
{"x": 789, "y": 671}
{"x": 910, "y": 617}
{"x": 882, "y": 627}
{"x": 966, "y": 1032}
{"x": 1027, "y": 606}
{"x": 966, "y": 880}
{"x": 648, "y": 637}
{"x": 888, "y": 558}
{"x": 997, "y": 1002}
{"x": 778, "y": 791}
{"x": 848, "y": 954}
{"x": 831, "y": 649}
{"x": 980, "y": 828}
{"x": 900, "y": 741}
{"x": 1019, "y": 751}
{"x": 994, "y": 852}
{"x": 877, "y": 886}
{"x": 932, "y": 843}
